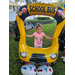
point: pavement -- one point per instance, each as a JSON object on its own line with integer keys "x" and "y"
{"x": 12, "y": 16}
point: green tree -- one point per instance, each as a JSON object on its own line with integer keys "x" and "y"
{"x": 55, "y": 3}
{"x": 27, "y": 1}
{"x": 60, "y": 3}
{"x": 16, "y": 1}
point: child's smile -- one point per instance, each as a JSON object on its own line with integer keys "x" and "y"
{"x": 39, "y": 30}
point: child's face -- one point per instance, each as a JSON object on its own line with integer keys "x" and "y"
{"x": 39, "y": 30}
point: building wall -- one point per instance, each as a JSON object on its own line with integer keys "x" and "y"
{"x": 13, "y": 8}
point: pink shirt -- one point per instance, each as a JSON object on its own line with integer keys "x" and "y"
{"x": 38, "y": 38}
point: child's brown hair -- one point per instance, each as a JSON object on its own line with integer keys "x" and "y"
{"x": 38, "y": 25}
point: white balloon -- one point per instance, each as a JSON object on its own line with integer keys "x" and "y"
{"x": 28, "y": 69}
{"x": 44, "y": 70}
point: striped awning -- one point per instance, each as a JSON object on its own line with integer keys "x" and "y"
{"x": 10, "y": 3}
{"x": 13, "y": 4}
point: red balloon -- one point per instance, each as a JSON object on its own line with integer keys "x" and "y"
{"x": 24, "y": 10}
{"x": 60, "y": 12}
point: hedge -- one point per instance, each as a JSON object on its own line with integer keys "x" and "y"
{"x": 11, "y": 29}
{"x": 34, "y": 22}
{"x": 43, "y": 18}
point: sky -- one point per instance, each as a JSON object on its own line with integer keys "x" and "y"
{"x": 45, "y": 1}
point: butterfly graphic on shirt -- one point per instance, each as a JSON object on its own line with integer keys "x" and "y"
{"x": 39, "y": 40}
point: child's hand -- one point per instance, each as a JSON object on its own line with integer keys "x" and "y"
{"x": 51, "y": 38}
{"x": 48, "y": 37}
{"x": 29, "y": 35}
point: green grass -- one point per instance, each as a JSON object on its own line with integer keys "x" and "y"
{"x": 15, "y": 67}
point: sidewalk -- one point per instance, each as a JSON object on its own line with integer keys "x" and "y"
{"x": 12, "y": 16}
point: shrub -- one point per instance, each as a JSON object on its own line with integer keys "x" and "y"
{"x": 11, "y": 29}
{"x": 43, "y": 18}
{"x": 34, "y": 22}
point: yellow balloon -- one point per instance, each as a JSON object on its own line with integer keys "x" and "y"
{"x": 49, "y": 52}
{"x": 63, "y": 8}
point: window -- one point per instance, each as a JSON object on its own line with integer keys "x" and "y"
{"x": 10, "y": 7}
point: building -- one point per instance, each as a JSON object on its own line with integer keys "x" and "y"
{"x": 13, "y": 8}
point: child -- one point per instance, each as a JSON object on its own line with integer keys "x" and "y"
{"x": 38, "y": 36}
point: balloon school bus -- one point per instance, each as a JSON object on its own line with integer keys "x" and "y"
{"x": 31, "y": 56}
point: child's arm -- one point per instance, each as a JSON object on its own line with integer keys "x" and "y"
{"x": 29, "y": 35}
{"x": 48, "y": 37}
